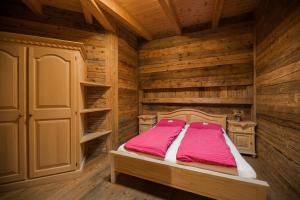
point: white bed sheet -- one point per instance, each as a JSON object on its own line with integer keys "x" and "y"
{"x": 244, "y": 169}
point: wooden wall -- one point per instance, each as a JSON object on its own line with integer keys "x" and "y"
{"x": 209, "y": 70}
{"x": 127, "y": 85}
{"x": 278, "y": 92}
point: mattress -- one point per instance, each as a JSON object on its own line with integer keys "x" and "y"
{"x": 243, "y": 168}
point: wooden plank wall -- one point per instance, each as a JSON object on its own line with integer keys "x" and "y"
{"x": 209, "y": 70}
{"x": 127, "y": 85}
{"x": 278, "y": 92}
{"x": 66, "y": 25}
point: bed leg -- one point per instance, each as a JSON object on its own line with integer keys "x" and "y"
{"x": 113, "y": 173}
{"x": 112, "y": 176}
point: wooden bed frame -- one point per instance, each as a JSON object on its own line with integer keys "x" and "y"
{"x": 199, "y": 181}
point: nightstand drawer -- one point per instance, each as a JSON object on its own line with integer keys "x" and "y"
{"x": 147, "y": 119}
{"x": 241, "y": 129}
{"x": 144, "y": 127}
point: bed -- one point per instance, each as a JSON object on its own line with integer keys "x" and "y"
{"x": 204, "y": 182}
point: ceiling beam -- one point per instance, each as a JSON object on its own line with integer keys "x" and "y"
{"x": 87, "y": 14}
{"x": 217, "y": 12}
{"x": 34, "y": 5}
{"x": 122, "y": 15}
{"x": 91, "y": 7}
{"x": 170, "y": 14}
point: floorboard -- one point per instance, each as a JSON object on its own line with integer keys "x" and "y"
{"x": 94, "y": 184}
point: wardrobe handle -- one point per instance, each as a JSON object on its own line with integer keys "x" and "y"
{"x": 30, "y": 115}
{"x": 20, "y": 115}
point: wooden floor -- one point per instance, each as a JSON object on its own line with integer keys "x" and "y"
{"x": 94, "y": 184}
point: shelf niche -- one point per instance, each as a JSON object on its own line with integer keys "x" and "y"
{"x": 94, "y": 84}
{"x": 90, "y": 136}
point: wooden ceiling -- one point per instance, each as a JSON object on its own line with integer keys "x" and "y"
{"x": 151, "y": 18}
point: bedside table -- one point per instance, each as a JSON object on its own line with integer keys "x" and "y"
{"x": 242, "y": 135}
{"x": 146, "y": 122}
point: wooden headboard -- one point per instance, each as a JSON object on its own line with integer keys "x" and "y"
{"x": 192, "y": 115}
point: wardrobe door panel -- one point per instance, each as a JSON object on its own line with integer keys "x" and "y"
{"x": 53, "y": 78}
{"x": 12, "y": 108}
{"x": 53, "y": 142}
{"x": 51, "y": 110}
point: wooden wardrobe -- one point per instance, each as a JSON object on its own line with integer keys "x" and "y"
{"x": 38, "y": 107}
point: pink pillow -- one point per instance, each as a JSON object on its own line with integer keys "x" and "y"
{"x": 171, "y": 122}
{"x": 204, "y": 125}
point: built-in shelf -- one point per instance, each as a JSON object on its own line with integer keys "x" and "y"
{"x": 93, "y": 84}
{"x": 90, "y": 136}
{"x": 90, "y": 110}
{"x": 238, "y": 101}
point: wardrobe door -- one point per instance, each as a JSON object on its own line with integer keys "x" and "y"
{"x": 12, "y": 122}
{"x": 51, "y": 111}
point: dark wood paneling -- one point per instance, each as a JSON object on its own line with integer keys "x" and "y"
{"x": 208, "y": 68}
{"x": 277, "y": 96}
{"x": 221, "y": 75}
{"x": 216, "y": 109}
{"x": 269, "y": 13}
{"x": 128, "y": 85}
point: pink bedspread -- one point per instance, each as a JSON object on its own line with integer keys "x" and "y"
{"x": 154, "y": 141}
{"x": 205, "y": 146}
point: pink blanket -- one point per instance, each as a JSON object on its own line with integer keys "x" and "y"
{"x": 205, "y": 146}
{"x": 155, "y": 141}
